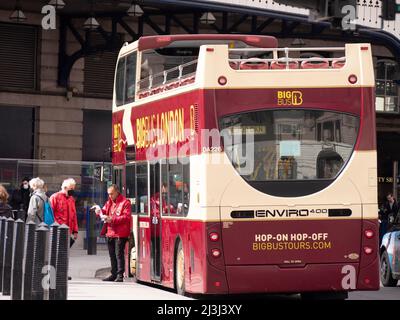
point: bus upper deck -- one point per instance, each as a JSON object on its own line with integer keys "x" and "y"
{"x": 166, "y": 64}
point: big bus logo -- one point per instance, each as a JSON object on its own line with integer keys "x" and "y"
{"x": 117, "y": 143}
{"x": 290, "y": 98}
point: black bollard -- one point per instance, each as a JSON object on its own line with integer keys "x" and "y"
{"x": 62, "y": 263}
{"x": 17, "y": 260}
{"x": 53, "y": 243}
{"x": 29, "y": 245}
{"x": 92, "y": 237}
{"x": 21, "y": 213}
{"x": 2, "y": 237}
{"x": 8, "y": 244}
{"x": 39, "y": 262}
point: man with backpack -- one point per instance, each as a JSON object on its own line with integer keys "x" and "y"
{"x": 37, "y": 202}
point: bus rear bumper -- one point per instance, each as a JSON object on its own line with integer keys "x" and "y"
{"x": 313, "y": 277}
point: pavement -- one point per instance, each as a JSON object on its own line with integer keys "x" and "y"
{"x": 85, "y": 286}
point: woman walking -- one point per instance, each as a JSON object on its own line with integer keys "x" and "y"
{"x": 38, "y": 199}
{"x": 5, "y": 209}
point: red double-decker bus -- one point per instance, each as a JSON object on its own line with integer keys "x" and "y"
{"x": 250, "y": 168}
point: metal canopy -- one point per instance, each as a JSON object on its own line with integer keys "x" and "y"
{"x": 161, "y": 15}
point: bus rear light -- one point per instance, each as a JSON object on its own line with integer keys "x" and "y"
{"x": 368, "y": 250}
{"x": 217, "y": 283}
{"x": 353, "y": 79}
{"x": 254, "y": 40}
{"x": 210, "y": 49}
{"x": 367, "y": 281}
{"x": 163, "y": 39}
{"x": 222, "y": 80}
{"x": 216, "y": 253}
{"x": 364, "y": 48}
{"x": 369, "y": 234}
{"x": 214, "y": 236}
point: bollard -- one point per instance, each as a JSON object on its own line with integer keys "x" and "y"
{"x": 8, "y": 243}
{"x": 53, "y": 243}
{"x": 2, "y": 237}
{"x": 17, "y": 260}
{"x": 91, "y": 236}
{"x": 28, "y": 259}
{"x": 21, "y": 213}
{"x": 62, "y": 263}
{"x": 39, "y": 262}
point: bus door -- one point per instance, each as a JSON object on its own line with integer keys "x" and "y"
{"x": 142, "y": 209}
{"x": 155, "y": 222}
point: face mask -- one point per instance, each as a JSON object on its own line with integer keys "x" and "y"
{"x": 25, "y": 186}
{"x": 71, "y": 193}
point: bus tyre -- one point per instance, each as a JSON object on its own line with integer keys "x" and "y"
{"x": 180, "y": 270}
{"x": 386, "y": 273}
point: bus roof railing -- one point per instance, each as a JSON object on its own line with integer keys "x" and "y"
{"x": 286, "y": 49}
{"x": 151, "y": 85}
{"x": 150, "y": 82}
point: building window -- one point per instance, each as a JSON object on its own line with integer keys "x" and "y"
{"x": 96, "y": 135}
{"x": 18, "y": 56}
{"x": 386, "y": 86}
{"x": 17, "y": 124}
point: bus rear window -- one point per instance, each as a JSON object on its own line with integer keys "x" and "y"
{"x": 289, "y": 144}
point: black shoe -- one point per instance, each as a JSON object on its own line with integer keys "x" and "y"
{"x": 110, "y": 278}
{"x": 69, "y": 278}
{"x": 119, "y": 279}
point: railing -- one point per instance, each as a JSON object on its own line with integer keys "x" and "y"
{"x": 92, "y": 179}
{"x": 286, "y": 62}
{"x": 164, "y": 78}
{"x": 185, "y": 74}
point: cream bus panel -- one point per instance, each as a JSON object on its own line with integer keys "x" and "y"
{"x": 215, "y": 63}
{"x": 233, "y": 192}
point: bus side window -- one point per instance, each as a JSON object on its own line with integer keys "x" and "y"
{"x": 117, "y": 177}
{"x": 175, "y": 174}
{"x": 164, "y": 189}
{"x": 131, "y": 186}
{"x": 120, "y": 82}
{"x": 130, "y": 86}
{"x": 186, "y": 187}
{"x": 142, "y": 189}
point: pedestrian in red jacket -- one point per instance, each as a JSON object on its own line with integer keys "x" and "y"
{"x": 63, "y": 205}
{"x": 116, "y": 215}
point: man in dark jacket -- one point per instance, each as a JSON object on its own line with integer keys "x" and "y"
{"x": 116, "y": 215}
{"x": 20, "y": 197}
{"x": 388, "y": 215}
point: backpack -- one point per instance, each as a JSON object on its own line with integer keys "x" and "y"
{"x": 47, "y": 212}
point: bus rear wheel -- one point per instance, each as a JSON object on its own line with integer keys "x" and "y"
{"x": 180, "y": 270}
{"x": 386, "y": 273}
